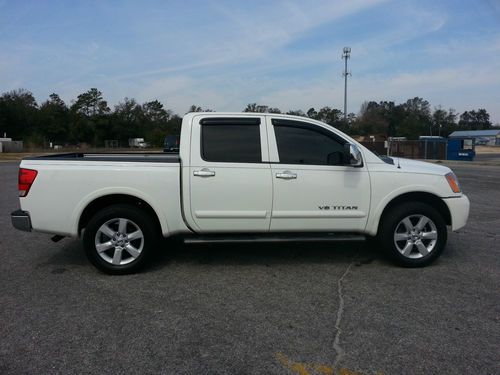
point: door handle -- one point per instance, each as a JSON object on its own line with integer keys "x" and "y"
{"x": 205, "y": 172}
{"x": 286, "y": 175}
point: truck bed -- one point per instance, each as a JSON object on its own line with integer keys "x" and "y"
{"x": 67, "y": 183}
{"x": 122, "y": 156}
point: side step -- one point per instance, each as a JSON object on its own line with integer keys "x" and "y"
{"x": 266, "y": 238}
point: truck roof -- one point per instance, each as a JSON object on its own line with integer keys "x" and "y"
{"x": 190, "y": 115}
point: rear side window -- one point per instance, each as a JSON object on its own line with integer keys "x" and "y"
{"x": 231, "y": 141}
{"x": 306, "y": 144}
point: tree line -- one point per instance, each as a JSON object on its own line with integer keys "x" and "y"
{"x": 89, "y": 119}
{"x": 411, "y": 119}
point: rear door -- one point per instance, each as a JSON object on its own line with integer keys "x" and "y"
{"x": 229, "y": 174}
{"x": 313, "y": 189}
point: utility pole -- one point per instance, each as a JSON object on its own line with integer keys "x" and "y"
{"x": 345, "y": 56}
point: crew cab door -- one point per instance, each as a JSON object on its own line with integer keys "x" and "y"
{"x": 229, "y": 174}
{"x": 313, "y": 189}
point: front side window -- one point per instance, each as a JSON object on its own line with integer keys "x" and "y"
{"x": 307, "y": 144}
{"x": 229, "y": 141}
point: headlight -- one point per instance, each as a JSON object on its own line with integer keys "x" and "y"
{"x": 453, "y": 182}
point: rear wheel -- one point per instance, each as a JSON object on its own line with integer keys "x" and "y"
{"x": 413, "y": 234}
{"x": 119, "y": 239}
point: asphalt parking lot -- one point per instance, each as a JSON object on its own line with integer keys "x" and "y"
{"x": 288, "y": 309}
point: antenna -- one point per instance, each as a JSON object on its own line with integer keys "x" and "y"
{"x": 346, "y": 54}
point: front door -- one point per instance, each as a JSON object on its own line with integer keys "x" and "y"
{"x": 229, "y": 173}
{"x": 313, "y": 189}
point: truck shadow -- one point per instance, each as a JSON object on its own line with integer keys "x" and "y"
{"x": 266, "y": 254}
{"x": 71, "y": 254}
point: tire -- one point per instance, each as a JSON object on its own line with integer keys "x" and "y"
{"x": 120, "y": 238}
{"x": 413, "y": 234}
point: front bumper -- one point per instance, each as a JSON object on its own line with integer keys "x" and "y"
{"x": 21, "y": 220}
{"x": 459, "y": 210}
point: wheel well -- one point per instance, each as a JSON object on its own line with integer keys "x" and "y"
{"x": 108, "y": 200}
{"x": 430, "y": 199}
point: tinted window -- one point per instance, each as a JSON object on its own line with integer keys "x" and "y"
{"x": 236, "y": 143}
{"x": 307, "y": 145}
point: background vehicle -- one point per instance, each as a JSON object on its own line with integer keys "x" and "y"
{"x": 171, "y": 143}
{"x": 241, "y": 177}
{"x": 137, "y": 142}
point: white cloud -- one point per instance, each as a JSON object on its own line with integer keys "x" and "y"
{"x": 241, "y": 36}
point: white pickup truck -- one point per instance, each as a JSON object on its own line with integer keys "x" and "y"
{"x": 241, "y": 177}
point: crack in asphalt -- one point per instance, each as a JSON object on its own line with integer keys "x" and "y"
{"x": 336, "y": 343}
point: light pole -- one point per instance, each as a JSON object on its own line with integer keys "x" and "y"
{"x": 346, "y": 55}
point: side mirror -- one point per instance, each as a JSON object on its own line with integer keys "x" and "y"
{"x": 352, "y": 155}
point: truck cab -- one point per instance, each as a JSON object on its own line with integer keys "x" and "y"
{"x": 285, "y": 174}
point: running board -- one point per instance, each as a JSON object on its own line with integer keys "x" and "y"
{"x": 327, "y": 237}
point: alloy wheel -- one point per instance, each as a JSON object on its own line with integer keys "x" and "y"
{"x": 119, "y": 241}
{"x": 415, "y": 236}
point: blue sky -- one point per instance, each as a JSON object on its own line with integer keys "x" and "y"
{"x": 225, "y": 54}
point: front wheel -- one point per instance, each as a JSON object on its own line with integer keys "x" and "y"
{"x": 413, "y": 234}
{"x": 119, "y": 239}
